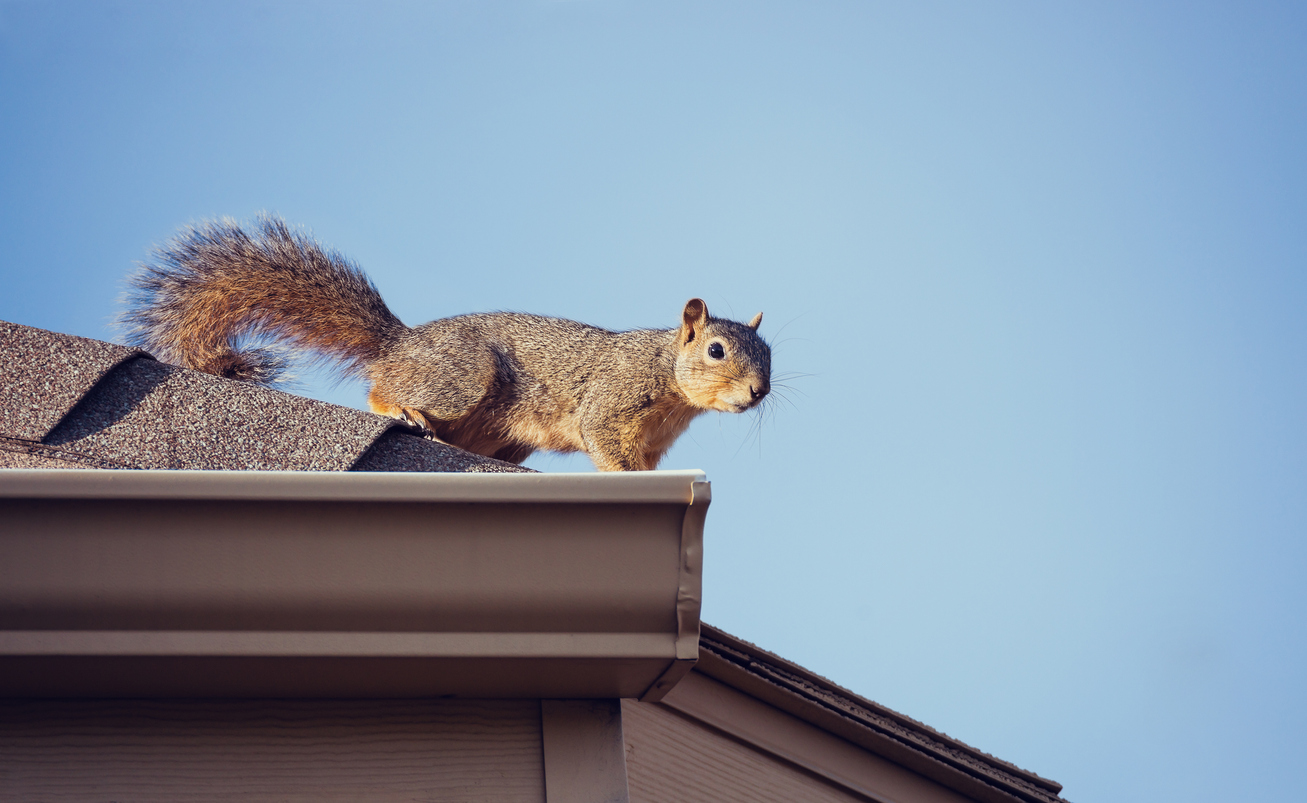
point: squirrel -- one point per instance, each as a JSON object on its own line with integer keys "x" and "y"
{"x": 500, "y": 384}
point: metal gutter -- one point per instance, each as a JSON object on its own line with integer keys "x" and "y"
{"x": 357, "y": 486}
{"x": 322, "y": 584}
{"x": 689, "y": 595}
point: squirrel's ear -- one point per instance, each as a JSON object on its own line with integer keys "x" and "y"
{"x": 757, "y": 320}
{"x": 693, "y": 318}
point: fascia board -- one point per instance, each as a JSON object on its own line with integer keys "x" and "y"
{"x": 151, "y": 583}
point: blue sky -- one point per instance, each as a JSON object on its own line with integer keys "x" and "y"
{"x": 1041, "y": 270}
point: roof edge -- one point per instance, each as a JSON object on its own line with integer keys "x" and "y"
{"x": 329, "y": 584}
{"x": 351, "y": 486}
{"x": 798, "y": 691}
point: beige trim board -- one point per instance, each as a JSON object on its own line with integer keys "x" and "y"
{"x": 584, "y": 752}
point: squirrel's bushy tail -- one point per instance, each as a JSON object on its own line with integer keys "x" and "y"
{"x": 214, "y": 287}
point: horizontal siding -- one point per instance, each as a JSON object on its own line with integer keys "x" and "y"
{"x": 670, "y": 759}
{"x": 380, "y": 750}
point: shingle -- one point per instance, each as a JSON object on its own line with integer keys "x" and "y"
{"x": 398, "y": 451}
{"x": 170, "y": 417}
{"x": 115, "y": 407}
{"x": 44, "y": 374}
{"x": 15, "y": 455}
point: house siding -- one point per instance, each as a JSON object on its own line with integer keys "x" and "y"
{"x": 149, "y": 751}
{"x": 670, "y": 759}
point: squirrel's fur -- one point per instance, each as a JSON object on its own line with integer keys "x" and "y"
{"x": 500, "y": 384}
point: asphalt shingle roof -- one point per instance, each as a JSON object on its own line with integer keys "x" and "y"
{"x": 70, "y": 401}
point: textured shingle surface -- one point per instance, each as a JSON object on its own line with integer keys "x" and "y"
{"x": 174, "y": 418}
{"x": 44, "y": 374}
{"x": 69, "y": 401}
{"x": 396, "y": 450}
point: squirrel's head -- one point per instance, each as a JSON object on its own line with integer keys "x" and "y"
{"x": 720, "y": 364}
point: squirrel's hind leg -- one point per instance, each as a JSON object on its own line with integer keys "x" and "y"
{"x": 409, "y": 415}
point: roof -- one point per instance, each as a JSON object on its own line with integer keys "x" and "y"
{"x": 73, "y": 402}
{"x": 885, "y": 732}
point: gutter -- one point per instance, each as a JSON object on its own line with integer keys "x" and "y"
{"x": 348, "y": 584}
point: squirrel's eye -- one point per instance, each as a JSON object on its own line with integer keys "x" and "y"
{"x": 716, "y": 351}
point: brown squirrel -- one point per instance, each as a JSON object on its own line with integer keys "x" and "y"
{"x": 500, "y": 384}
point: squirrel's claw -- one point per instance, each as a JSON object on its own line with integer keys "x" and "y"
{"x": 420, "y": 425}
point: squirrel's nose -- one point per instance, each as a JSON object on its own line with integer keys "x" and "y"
{"x": 756, "y": 393}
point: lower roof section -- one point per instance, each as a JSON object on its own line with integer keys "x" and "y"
{"x": 282, "y": 584}
{"x": 750, "y": 693}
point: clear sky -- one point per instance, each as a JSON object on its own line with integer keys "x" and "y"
{"x": 1038, "y": 273}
